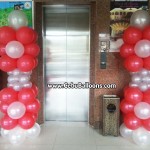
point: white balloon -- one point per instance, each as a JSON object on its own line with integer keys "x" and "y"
{"x": 17, "y": 19}
{"x": 24, "y": 78}
{"x": 143, "y": 86}
{"x": 12, "y": 78}
{"x": 136, "y": 78}
{"x": 142, "y": 110}
{"x": 10, "y": 85}
{"x": 27, "y": 73}
{"x": 10, "y": 73}
{"x": 16, "y": 72}
{"x": 146, "y": 79}
{"x": 140, "y": 19}
{"x": 17, "y": 135}
{"x": 17, "y": 86}
{"x": 148, "y": 85}
{"x": 34, "y": 131}
{"x": 27, "y": 85}
{"x": 142, "y": 48}
{"x": 125, "y": 132}
{"x": 14, "y": 49}
{"x": 4, "y": 133}
{"x": 141, "y": 136}
{"x": 133, "y": 84}
{"x": 143, "y": 72}
{"x": 16, "y": 110}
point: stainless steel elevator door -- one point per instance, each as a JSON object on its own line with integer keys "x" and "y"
{"x": 66, "y": 54}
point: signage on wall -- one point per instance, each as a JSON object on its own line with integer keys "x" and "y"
{"x": 120, "y": 13}
{"x": 7, "y": 6}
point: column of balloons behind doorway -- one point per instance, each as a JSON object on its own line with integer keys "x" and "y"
{"x": 136, "y": 103}
{"x": 18, "y": 102}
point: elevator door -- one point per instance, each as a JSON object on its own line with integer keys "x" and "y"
{"x": 66, "y": 54}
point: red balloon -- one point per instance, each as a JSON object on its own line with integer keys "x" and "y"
{"x": 126, "y": 87}
{"x": 35, "y": 36}
{"x": 146, "y": 63}
{"x": 35, "y": 89}
{"x": 26, "y": 100}
{"x": 132, "y": 35}
{"x": 7, "y": 34}
{"x": 26, "y": 63}
{"x": 2, "y": 49}
{"x": 8, "y": 95}
{"x": 35, "y": 116}
{"x": 126, "y": 107}
{"x": 32, "y": 49}
{"x": 26, "y": 35}
{"x": 146, "y": 124}
{"x": 26, "y": 95}
{"x": 133, "y": 63}
{"x": 7, "y": 64}
{"x": 146, "y": 33}
{"x": 132, "y": 122}
{"x": 33, "y": 107}
{"x": 27, "y": 121}
{"x": 126, "y": 50}
{"x": 8, "y": 123}
{"x": 146, "y": 96}
{"x": 133, "y": 95}
{"x": 3, "y": 107}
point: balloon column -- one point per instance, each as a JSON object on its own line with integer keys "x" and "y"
{"x": 18, "y": 102}
{"x": 136, "y": 103}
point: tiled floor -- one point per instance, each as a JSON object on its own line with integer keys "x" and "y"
{"x": 72, "y": 136}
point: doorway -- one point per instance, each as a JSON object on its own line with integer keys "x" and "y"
{"x": 66, "y": 51}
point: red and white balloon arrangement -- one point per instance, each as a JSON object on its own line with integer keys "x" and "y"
{"x": 18, "y": 102}
{"x": 136, "y": 103}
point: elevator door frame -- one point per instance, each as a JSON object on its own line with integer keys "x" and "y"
{"x": 38, "y": 74}
{"x": 69, "y": 6}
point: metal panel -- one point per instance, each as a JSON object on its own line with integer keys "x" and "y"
{"x": 66, "y": 38}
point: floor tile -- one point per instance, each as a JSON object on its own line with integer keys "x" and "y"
{"x": 113, "y": 141}
{"x": 47, "y": 136}
{"x": 25, "y": 147}
{"x": 75, "y": 135}
{"x": 77, "y": 124}
{"x": 57, "y": 124}
{"x": 108, "y": 148}
{"x": 110, "y": 140}
{"x": 3, "y": 140}
{"x": 135, "y": 147}
{"x": 72, "y": 136}
{"x": 74, "y": 147}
